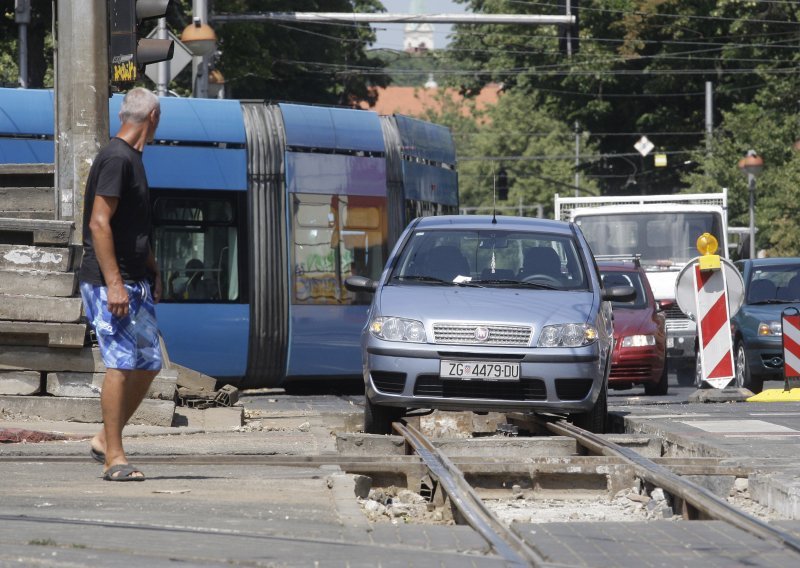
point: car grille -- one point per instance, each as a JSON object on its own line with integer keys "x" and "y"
{"x": 680, "y": 325}
{"x": 573, "y": 389}
{"x": 630, "y": 372}
{"x": 388, "y": 382}
{"x": 460, "y": 334}
{"x": 525, "y": 389}
{"x": 673, "y": 311}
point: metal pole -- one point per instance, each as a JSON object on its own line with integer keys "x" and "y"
{"x": 163, "y": 67}
{"x": 200, "y": 62}
{"x": 22, "y": 10}
{"x": 577, "y": 157}
{"x": 751, "y": 182}
{"x": 709, "y": 114}
{"x": 350, "y": 17}
{"x": 81, "y": 98}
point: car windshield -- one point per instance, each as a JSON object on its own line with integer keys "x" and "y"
{"x": 662, "y": 240}
{"x": 491, "y": 258}
{"x": 776, "y": 284}
{"x": 632, "y": 278}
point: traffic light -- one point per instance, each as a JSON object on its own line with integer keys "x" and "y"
{"x": 129, "y": 53}
{"x": 568, "y": 33}
{"x": 502, "y": 184}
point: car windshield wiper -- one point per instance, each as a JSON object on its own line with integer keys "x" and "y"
{"x": 538, "y": 285}
{"x": 434, "y": 280}
{"x": 774, "y": 301}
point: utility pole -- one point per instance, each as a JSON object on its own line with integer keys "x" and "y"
{"x": 200, "y": 62}
{"x": 22, "y": 16}
{"x": 81, "y": 101}
{"x": 577, "y": 159}
{"x": 709, "y": 115}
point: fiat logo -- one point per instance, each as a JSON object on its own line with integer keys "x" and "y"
{"x": 481, "y": 333}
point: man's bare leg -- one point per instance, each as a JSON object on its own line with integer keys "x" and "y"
{"x": 122, "y": 394}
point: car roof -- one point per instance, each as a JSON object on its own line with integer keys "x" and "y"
{"x": 617, "y": 266}
{"x": 772, "y": 261}
{"x": 504, "y": 222}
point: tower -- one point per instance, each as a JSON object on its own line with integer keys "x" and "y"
{"x": 418, "y": 37}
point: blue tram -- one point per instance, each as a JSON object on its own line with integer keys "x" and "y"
{"x": 261, "y": 211}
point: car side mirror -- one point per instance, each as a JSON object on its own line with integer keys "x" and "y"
{"x": 360, "y": 284}
{"x": 619, "y": 294}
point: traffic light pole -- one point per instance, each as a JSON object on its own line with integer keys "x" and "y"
{"x": 81, "y": 101}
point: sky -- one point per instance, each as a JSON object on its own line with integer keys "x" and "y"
{"x": 390, "y": 36}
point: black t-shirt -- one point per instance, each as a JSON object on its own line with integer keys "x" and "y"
{"x": 118, "y": 172}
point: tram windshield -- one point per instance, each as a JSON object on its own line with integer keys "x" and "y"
{"x": 336, "y": 236}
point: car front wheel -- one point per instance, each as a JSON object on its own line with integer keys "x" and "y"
{"x": 378, "y": 419}
{"x": 594, "y": 420}
{"x": 744, "y": 379}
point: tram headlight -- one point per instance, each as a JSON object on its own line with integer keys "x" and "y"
{"x": 397, "y": 329}
{"x": 567, "y": 335}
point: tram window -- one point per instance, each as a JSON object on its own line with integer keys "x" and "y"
{"x": 197, "y": 248}
{"x": 335, "y": 236}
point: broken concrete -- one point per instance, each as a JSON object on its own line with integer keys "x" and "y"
{"x": 89, "y": 385}
{"x": 21, "y": 257}
{"x": 728, "y": 394}
{"x": 229, "y": 418}
{"x": 151, "y": 412}
{"x": 20, "y": 383}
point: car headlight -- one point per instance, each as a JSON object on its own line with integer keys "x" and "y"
{"x": 638, "y": 340}
{"x": 567, "y": 335}
{"x": 769, "y": 328}
{"x": 397, "y": 329}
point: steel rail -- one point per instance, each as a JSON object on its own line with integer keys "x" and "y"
{"x": 507, "y": 544}
{"x": 692, "y": 494}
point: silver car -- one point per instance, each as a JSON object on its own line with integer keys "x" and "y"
{"x": 488, "y": 314}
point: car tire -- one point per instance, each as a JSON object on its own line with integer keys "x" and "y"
{"x": 378, "y": 419}
{"x": 659, "y": 388}
{"x": 594, "y": 420}
{"x": 744, "y": 379}
{"x": 698, "y": 371}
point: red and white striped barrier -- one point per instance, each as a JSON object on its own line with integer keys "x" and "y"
{"x": 713, "y": 327}
{"x": 790, "y": 324}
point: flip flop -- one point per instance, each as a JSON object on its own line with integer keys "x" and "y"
{"x": 97, "y": 456}
{"x": 124, "y": 472}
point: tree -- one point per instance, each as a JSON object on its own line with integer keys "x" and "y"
{"x": 309, "y": 63}
{"x": 535, "y": 149}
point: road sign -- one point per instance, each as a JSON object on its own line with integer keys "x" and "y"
{"x": 790, "y": 326}
{"x": 713, "y": 327}
{"x": 644, "y": 146}
{"x": 181, "y": 57}
{"x": 711, "y": 297}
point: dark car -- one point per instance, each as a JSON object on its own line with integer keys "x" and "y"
{"x": 488, "y": 314}
{"x": 770, "y": 286}
{"x": 639, "y": 356}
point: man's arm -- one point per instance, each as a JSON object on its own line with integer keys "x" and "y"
{"x": 103, "y": 210}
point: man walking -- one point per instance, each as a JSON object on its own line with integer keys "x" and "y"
{"x": 118, "y": 264}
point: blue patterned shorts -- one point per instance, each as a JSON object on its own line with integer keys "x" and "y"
{"x": 128, "y": 343}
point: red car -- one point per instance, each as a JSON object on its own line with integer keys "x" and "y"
{"x": 639, "y": 331}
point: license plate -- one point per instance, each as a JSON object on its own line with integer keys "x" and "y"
{"x": 670, "y": 342}
{"x": 494, "y": 371}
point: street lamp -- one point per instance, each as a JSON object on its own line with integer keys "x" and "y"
{"x": 751, "y": 165}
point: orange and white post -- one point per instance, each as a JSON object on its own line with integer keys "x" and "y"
{"x": 713, "y": 318}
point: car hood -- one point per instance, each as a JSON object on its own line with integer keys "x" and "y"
{"x": 632, "y": 322}
{"x": 765, "y": 312}
{"x": 449, "y": 303}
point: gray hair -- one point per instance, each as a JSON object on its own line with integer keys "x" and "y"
{"x": 137, "y": 105}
